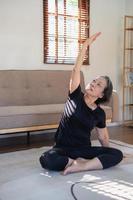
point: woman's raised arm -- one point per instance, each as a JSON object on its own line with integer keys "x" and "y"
{"x": 75, "y": 76}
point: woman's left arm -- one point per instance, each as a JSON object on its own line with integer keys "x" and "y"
{"x": 103, "y": 136}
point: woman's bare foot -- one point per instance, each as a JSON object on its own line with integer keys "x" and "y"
{"x": 76, "y": 166}
{"x": 70, "y": 161}
{"x": 82, "y": 164}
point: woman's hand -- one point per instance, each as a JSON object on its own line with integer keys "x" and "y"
{"x": 91, "y": 39}
{"x": 82, "y": 53}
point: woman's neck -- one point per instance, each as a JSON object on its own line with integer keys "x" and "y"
{"x": 90, "y": 101}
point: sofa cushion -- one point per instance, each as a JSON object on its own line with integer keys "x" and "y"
{"x": 34, "y": 109}
{"x": 19, "y": 121}
{"x": 41, "y": 109}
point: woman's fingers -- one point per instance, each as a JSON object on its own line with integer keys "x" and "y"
{"x": 95, "y": 36}
{"x": 92, "y": 38}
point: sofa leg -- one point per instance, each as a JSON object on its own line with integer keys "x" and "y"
{"x": 28, "y": 138}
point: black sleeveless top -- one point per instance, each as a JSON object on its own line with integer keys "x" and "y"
{"x": 77, "y": 122}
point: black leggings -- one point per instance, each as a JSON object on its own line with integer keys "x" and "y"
{"x": 57, "y": 158}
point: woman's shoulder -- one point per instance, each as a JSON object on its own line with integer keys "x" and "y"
{"x": 76, "y": 92}
{"x": 100, "y": 110}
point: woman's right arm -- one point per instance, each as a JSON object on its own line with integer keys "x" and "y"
{"x": 103, "y": 136}
{"x": 75, "y": 76}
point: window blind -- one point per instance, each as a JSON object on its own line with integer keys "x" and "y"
{"x": 66, "y": 26}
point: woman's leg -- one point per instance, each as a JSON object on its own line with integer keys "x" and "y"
{"x": 54, "y": 159}
{"x": 95, "y": 158}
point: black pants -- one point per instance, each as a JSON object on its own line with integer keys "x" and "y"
{"x": 57, "y": 158}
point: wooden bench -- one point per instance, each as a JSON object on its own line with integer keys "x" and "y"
{"x": 28, "y": 130}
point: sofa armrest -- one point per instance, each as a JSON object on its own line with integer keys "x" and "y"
{"x": 115, "y": 107}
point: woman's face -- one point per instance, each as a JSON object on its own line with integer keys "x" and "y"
{"x": 96, "y": 87}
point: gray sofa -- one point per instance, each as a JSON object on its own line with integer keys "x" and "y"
{"x": 36, "y": 97}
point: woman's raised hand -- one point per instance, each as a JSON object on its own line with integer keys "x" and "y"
{"x": 91, "y": 39}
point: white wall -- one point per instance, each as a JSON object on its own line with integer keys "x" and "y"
{"x": 21, "y": 33}
{"x": 106, "y": 53}
{"x": 21, "y": 37}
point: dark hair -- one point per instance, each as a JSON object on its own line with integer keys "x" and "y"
{"x": 107, "y": 91}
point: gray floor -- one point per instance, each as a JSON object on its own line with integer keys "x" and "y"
{"x": 22, "y": 178}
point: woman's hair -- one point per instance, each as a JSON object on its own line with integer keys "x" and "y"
{"x": 107, "y": 91}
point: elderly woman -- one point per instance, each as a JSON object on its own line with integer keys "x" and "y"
{"x": 72, "y": 151}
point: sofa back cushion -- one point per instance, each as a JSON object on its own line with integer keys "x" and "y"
{"x": 34, "y": 87}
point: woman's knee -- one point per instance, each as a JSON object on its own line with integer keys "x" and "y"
{"x": 111, "y": 158}
{"x": 119, "y": 155}
{"x": 53, "y": 161}
{"x": 43, "y": 160}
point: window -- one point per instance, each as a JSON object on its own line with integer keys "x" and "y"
{"x": 66, "y": 26}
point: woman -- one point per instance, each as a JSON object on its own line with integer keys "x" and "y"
{"x": 72, "y": 151}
